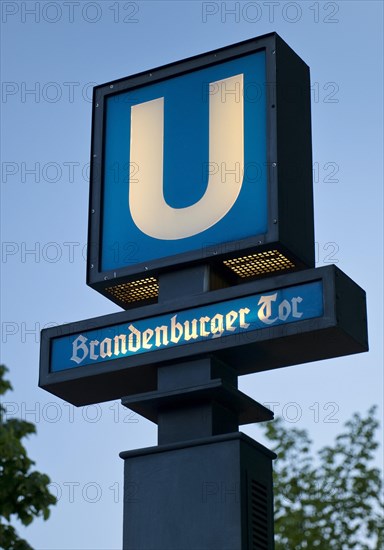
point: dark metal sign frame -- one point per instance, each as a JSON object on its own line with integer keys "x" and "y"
{"x": 289, "y": 162}
{"x": 340, "y": 331}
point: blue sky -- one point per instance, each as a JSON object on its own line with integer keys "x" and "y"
{"x": 60, "y": 50}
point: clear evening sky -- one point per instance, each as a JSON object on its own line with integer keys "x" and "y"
{"x": 52, "y": 53}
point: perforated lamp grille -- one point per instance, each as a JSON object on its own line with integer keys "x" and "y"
{"x": 260, "y": 263}
{"x": 135, "y": 291}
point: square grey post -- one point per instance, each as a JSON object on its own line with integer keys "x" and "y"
{"x": 212, "y": 494}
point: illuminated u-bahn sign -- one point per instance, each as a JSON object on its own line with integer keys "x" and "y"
{"x": 203, "y": 160}
{"x": 291, "y": 319}
{"x": 201, "y": 179}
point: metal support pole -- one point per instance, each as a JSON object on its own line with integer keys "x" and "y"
{"x": 206, "y": 486}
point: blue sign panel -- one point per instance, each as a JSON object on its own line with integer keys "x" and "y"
{"x": 185, "y": 163}
{"x": 213, "y": 321}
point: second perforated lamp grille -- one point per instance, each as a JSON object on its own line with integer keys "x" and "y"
{"x": 260, "y": 263}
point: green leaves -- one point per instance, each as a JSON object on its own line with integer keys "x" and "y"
{"x": 332, "y": 501}
{"x": 24, "y": 492}
{"x": 5, "y": 385}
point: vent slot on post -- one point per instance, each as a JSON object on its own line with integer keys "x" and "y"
{"x": 259, "y": 516}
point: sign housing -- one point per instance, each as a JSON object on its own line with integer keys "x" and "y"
{"x": 291, "y": 319}
{"x": 247, "y": 215}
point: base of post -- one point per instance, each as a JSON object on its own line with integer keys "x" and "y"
{"x": 207, "y": 494}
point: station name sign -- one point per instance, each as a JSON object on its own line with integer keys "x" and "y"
{"x": 214, "y": 321}
{"x": 275, "y": 322}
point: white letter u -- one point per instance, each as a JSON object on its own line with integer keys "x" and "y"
{"x": 149, "y": 210}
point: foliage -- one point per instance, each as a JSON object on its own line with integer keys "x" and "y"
{"x": 24, "y": 492}
{"x": 332, "y": 502}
